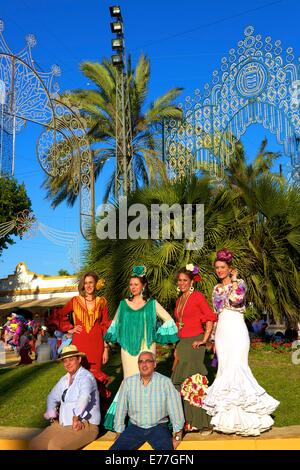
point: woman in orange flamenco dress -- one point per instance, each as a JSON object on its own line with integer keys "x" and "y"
{"x": 88, "y": 326}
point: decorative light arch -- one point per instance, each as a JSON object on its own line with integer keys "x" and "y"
{"x": 27, "y": 95}
{"x": 257, "y": 83}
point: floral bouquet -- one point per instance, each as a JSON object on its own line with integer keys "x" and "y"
{"x": 194, "y": 389}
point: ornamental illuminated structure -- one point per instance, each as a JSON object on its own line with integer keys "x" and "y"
{"x": 30, "y": 96}
{"x": 257, "y": 82}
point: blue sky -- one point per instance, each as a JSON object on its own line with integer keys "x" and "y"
{"x": 185, "y": 41}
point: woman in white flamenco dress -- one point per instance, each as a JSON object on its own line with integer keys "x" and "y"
{"x": 236, "y": 402}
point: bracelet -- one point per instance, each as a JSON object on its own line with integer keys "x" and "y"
{"x": 106, "y": 347}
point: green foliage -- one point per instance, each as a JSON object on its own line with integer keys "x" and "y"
{"x": 63, "y": 272}
{"x": 24, "y": 390}
{"x": 13, "y": 199}
{"x": 272, "y": 370}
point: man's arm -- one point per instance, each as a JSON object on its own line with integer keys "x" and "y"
{"x": 174, "y": 407}
{"x": 86, "y": 387}
{"x": 53, "y": 400}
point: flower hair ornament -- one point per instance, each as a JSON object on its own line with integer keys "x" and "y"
{"x": 194, "y": 269}
{"x": 100, "y": 283}
{"x": 224, "y": 255}
{"x": 139, "y": 271}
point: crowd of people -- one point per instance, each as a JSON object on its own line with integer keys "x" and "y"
{"x": 159, "y": 409}
{"x": 29, "y": 338}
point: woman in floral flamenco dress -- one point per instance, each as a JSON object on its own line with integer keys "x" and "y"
{"x": 236, "y": 402}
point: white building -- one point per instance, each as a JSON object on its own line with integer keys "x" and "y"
{"x": 35, "y": 292}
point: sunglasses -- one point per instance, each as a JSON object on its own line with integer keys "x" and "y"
{"x": 64, "y": 395}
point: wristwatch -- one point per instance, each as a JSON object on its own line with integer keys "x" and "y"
{"x": 177, "y": 437}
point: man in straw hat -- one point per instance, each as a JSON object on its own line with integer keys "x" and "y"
{"x": 76, "y": 394}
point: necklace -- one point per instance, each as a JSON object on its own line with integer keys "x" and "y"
{"x": 180, "y": 310}
{"x": 94, "y": 305}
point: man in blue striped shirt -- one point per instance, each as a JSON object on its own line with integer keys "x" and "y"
{"x": 150, "y": 400}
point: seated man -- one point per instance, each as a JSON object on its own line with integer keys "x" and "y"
{"x": 79, "y": 414}
{"x": 148, "y": 398}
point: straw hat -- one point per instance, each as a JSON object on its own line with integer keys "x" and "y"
{"x": 71, "y": 351}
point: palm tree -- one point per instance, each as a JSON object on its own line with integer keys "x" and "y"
{"x": 272, "y": 256}
{"x": 241, "y": 175}
{"x": 98, "y": 107}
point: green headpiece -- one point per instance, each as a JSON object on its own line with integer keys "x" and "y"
{"x": 139, "y": 271}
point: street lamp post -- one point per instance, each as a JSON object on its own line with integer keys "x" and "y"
{"x": 123, "y": 176}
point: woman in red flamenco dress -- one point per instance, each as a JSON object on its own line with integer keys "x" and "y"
{"x": 88, "y": 326}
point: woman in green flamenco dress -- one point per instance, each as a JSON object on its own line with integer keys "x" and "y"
{"x": 134, "y": 328}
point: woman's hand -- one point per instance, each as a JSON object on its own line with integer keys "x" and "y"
{"x": 105, "y": 355}
{"x": 78, "y": 329}
{"x": 234, "y": 274}
{"x": 197, "y": 344}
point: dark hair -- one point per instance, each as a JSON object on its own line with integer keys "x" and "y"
{"x": 188, "y": 273}
{"x": 185, "y": 271}
{"x": 82, "y": 279}
{"x": 224, "y": 255}
{"x": 145, "y": 291}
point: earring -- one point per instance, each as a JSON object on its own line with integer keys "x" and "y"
{"x": 143, "y": 291}
{"x": 192, "y": 288}
{"x": 178, "y": 289}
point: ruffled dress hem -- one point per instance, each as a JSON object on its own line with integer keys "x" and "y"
{"x": 238, "y": 404}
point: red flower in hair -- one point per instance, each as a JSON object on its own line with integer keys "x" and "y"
{"x": 197, "y": 278}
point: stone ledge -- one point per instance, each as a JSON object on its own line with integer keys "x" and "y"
{"x": 286, "y": 438}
